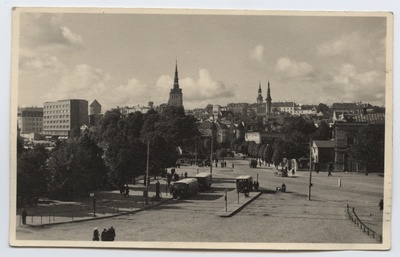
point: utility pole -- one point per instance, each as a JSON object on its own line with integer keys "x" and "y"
{"x": 309, "y": 182}
{"x": 147, "y": 172}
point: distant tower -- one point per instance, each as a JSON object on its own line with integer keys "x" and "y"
{"x": 259, "y": 97}
{"x": 95, "y": 108}
{"x": 175, "y": 96}
{"x": 269, "y": 100}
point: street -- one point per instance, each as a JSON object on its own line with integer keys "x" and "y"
{"x": 272, "y": 217}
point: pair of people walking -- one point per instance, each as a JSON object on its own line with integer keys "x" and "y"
{"x": 106, "y": 234}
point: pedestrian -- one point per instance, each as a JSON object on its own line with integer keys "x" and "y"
{"x": 381, "y": 205}
{"x": 111, "y": 234}
{"x": 104, "y": 235}
{"x": 292, "y": 171}
{"x": 96, "y": 235}
{"x": 24, "y": 214}
{"x": 233, "y": 165}
{"x": 216, "y": 164}
{"x": 283, "y": 187}
{"x": 158, "y": 189}
{"x": 126, "y": 190}
{"x": 186, "y": 174}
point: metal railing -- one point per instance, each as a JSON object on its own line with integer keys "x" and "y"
{"x": 354, "y": 218}
{"x": 71, "y": 215}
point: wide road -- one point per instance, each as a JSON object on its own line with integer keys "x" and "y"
{"x": 273, "y": 217}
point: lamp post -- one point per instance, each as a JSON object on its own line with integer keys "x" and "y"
{"x": 147, "y": 173}
{"x": 94, "y": 204}
{"x": 309, "y": 182}
{"x": 211, "y": 157}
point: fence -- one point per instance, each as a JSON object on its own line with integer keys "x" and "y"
{"x": 354, "y": 218}
{"x": 71, "y": 215}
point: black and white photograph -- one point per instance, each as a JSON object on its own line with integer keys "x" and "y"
{"x": 201, "y": 129}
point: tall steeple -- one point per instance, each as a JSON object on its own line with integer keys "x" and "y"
{"x": 269, "y": 100}
{"x": 175, "y": 95}
{"x": 259, "y": 97}
{"x": 176, "y": 79}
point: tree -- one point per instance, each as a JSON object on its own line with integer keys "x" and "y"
{"x": 369, "y": 147}
{"x": 222, "y": 153}
{"x": 76, "y": 168}
{"x": 268, "y": 153}
{"x": 250, "y": 148}
{"x": 295, "y": 146}
{"x": 261, "y": 152}
{"x": 322, "y": 108}
{"x": 277, "y": 157}
{"x": 256, "y": 148}
{"x": 209, "y": 108}
{"x": 234, "y": 142}
{"x": 323, "y": 132}
{"x": 31, "y": 174}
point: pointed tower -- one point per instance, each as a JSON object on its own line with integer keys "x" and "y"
{"x": 269, "y": 100}
{"x": 175, "y": 95}
{"x": 259, "y": 97}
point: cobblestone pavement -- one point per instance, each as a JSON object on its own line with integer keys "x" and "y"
{"x": 273, "y": 217}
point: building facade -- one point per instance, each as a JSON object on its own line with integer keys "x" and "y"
{"x": 30, "y": 120}
{"x": 61, "y": 117}
{"x": 175, "y": 95}
{"x": 345, "y": 132}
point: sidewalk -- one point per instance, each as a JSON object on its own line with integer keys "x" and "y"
{"x": 108, "y": 204}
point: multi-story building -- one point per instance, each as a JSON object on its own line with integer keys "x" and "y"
{"x": 30, "y": 120}
{"x": 63, "y": 116}
{"x": 345, "y": 132}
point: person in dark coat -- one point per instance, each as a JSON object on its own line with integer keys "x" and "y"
{"x": 96, "y": 234}
{"x": 111, "y": 234}
{"x": 24, "y": 214}
{"x": 283, "y": 187}
{"x": 381, "y": 205}
{"x": 158, "y": 189}
{"x": 126, "y": 190}
{"x": 104, "y": 235}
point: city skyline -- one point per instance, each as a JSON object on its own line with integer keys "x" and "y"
{"x": 221, "y": 58}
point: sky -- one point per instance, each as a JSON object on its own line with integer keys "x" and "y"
{"x": 124, "y": 59}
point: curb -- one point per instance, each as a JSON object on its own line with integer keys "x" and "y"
{"x": 99, "y": 218}
{"x": 230, "y": 214}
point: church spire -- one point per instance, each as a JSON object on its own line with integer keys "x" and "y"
{"x": 269, "y": 100}
{"x": 259, "y": 97}
{"x": 176, "y": 80}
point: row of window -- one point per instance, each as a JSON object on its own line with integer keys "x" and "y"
{"x": 32, "y": 119}
{"x": 57, "y": 111}
{"x": 56, "y": 121}
{"x": 56, "y": 116}
{"x": 56, "y": 106}
{"x": 56, "y": 126}
{"x": 26, "y": 124}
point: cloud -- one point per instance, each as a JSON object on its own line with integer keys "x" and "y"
{"x": 39, "y": 65}
{"x": 71, "y": 37}
{"x": 258, "y": 53}
{"x": 46, "y": 31}
{"x": 83, "y": 82}
{"x": 291, "y": 69}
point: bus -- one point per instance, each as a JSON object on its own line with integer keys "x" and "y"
{"x": 204, "y": 180}
{"x": 184, "y": 188}
{"x": 244, "y": 183}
